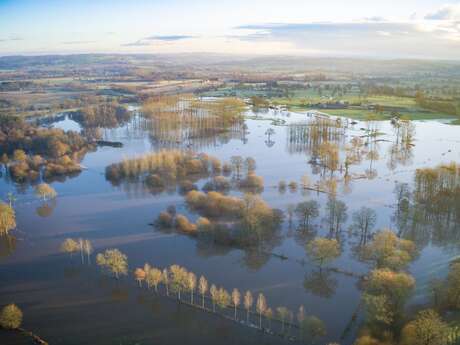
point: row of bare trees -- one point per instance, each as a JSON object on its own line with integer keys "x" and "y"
{"x": 178, "y": 280}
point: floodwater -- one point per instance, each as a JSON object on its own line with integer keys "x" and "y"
{"x": 67, "y": 302}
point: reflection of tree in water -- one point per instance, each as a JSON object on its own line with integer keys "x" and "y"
{"x": 206, "y": 248}
{"x": 7, "y": 245}
{"x": 307, "y": 137}
{"x": 71, "y": 272}
{"x": 46, "y": 208}
{"x": 302, "y": 236}
{"x": 254, "y": 259}
{"x": 431, "y": 213}
{"x": 401, "y": 150}
{"x": 320, "y": 283}
{"x": 119, "y": 294}
{"x": 186, "y": 121}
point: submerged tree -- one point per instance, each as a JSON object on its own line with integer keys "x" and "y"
{"x": 312, "y": 328}
{"x": 236, "y": 299}
{"x": 114, "y": 261}
{"x": 139, "y": 275}
{"x": 179, "y": 279}
{"x": 203, "y": 287}
{"x": 11, "y": 317}
{"x": 283, "y": 314}
{"x": 261, "y": 306}
{"x": 388, "y": 251}
{"x": 166, "y": 280}
{"x": 214, "y": 296}
{"x": 323, "y": 250}
{"x": 45, "y": 191}
{"x": 191, "y": 280}
{"x": 427, "y": 329}
{"x": 154, "y": 277}
{"x": 248, "y": 301}
{"x": 7, "y": 219}
{"x": 69, "y": 246}
{"x": 395, "y": 287}
{"x": 223, "y": 298}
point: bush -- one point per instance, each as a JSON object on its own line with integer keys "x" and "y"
{"x": 184, "y": 225}
{"x": 164, "y": 220}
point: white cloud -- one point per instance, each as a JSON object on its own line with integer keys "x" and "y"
{"x": 446, "y": 12}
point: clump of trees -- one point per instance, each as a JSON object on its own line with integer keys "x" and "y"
{"x": 247, "y": 221}
{"x": 84, "y": 246}
{"x": 104, "y": 115}
{"x": 26, "y": 149}
{"x": 160, "y": 169}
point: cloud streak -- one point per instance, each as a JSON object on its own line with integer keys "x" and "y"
{"x": 169, "y": 38}
{"x": 369, "y": 38}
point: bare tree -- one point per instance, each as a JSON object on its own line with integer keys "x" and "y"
{"x": 248, "y": 301}
{"x": 236, "y": 299}
{"x": 203, "y": 287}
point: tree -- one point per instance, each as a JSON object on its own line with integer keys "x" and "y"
{"x": 269, "y": 316}
{"x": 19, "y": 156}
{"x": 179, "y": 279}
{"x": 214, "y": 296}
{"x": 139, "y": 275}
{"x": 11, "y": 198}
{"x": 312, "y": 328}
{"x": 378, "y": 309}
{"x": 307, "y": 210}
{"x": 305, "y": 181}
{"x": 388, "y": 251}
{"x": 395, "y": 286}
{"x": 301, "y": 314}
{"x": 191, "y": 285}
{"x": 236, "y": 299}
{"x": 69, "y": 246}
{"x": 203, "y": 287}
{"x": 114, "y": 261}
{"x": 45, "y": 191}
{"x": 11, "y": 317}
{"x": 7, "y": 219}
{"x": 427, "y": 329}
{"x": 283, "y": 313}
{"x": 248, "y": 301}
{"x": 154, "y": 277}
{"x": 147, "y": 269}
{"x": 223, "y": 298}
{"x": 364, "y": 220}
{"x": 165, "y": 279}
{"x": 323, "y": 250}
{"x": 261, "y": 306}
{"x": 452, "y": 286}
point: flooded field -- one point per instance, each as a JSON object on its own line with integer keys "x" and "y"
{"x": 373, "y": 164}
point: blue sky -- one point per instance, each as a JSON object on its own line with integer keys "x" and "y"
{"x": 404, "y": 28}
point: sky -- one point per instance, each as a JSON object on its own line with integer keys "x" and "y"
{"x": 427, "y": 29}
